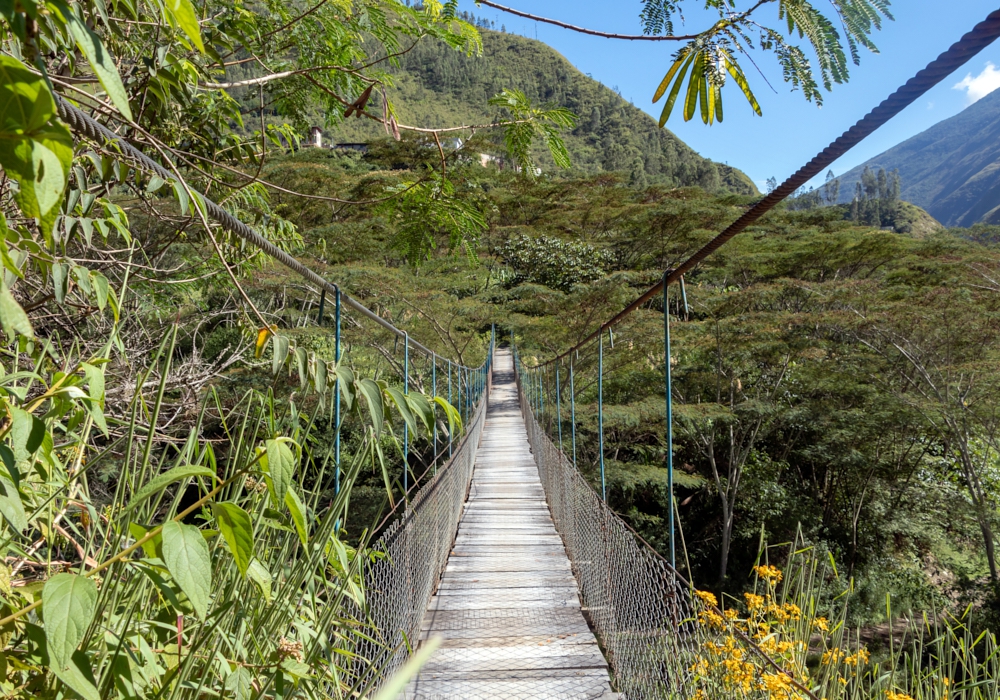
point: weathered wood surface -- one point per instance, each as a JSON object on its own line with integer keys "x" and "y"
{"x": 508, "y": 607}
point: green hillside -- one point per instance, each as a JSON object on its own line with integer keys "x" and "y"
{"x": 436, "y": 86}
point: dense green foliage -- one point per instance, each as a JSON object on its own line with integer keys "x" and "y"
{"x": 823, "y": 372}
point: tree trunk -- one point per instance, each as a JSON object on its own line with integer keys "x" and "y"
{"x": 727, "y": 537}
{"x": 979, "y": 501}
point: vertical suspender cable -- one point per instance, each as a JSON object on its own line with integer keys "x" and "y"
{"x": 541, "y": 392}
{"x": 559, "y": 409}
{"x": 670, "y": 419}
{"x": 600, "y": 414}
{"x": 684, "y": 296}
{"x": 572, "y": 408}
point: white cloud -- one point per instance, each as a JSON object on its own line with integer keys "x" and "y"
{"x": 978, "y": 87}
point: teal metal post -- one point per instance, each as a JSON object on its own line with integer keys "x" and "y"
{"x": 670, "y": 420}
{"x": 336, "y": 389}
{"x": 434, "y": 383}
{"x": 541, "y": 391}
{"x": 572, "y": 408}
{"x": 406, "y": 429}
{"x": 600, "y": 413}
{"x": 559, "y": 409}
{"x": 450, "y": 431}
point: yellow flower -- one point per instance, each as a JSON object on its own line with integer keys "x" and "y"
{"x": 822, "y": 624}
{"x": 831, "y": 657}
{"x": 792, "y": 610}
{"x": 754, "y": 601}
{"x": 712, "y": 619}
{"x": 771, "y": 574}
{"x": 892, "y": 695}
{"x": 772, "y": 647}
{"x": 858, "y": 658}
{"x": 731, "y": 613}
{"x": 707, "y": 598}
{"x": 776, "y": 682}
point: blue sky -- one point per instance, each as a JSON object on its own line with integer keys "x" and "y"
{"x": 792, "y": 130}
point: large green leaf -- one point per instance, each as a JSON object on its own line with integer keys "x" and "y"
{"x": 280, "y": 466}
{"x": 373, "y": 397}
{"x": 11, "y": 507}
{"x": 348, "y": 389}
{"x": 422, "y": 408}
{"x": 101, "y": 61}
{"x": 279, "y": 350}
{"x": 68, "y": 605}
{"x": 403, "y": 406}
{"x": 187, "y": 19}
{"x": 237, "y": 529}
{"x": 259, "y": 574}
{"x": 12, "y": 316}
{"x": 186, "y": 555}
{"x": 35, "y": 149}
{"x": 239, "y": 684}
{"x": 454, "y": 417}
{"x": 95, "y": 388}
{"x": 298, "y": 511}
{"x": 27, "y": 432}
{"x": 162, "y": 481}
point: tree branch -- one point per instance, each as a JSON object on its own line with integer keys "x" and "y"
{"x": 583, "y": 30}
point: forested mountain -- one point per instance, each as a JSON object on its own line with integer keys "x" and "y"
{"x": 952, "y": 169}
{"x": 438, "y": 87}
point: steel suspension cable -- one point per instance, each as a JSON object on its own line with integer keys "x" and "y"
{"x": 981, "y": 36}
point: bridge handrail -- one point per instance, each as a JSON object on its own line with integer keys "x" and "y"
{"x": 641, "y": 610}
{"x": 414, "y": 552}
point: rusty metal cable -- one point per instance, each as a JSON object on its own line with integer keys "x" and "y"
{"x": 981, "y": 36}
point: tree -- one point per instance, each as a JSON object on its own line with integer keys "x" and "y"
{"x": 831, "y": 189}
{"x": 876, "y": 198}
{"x": 945, "y": 359}
{"x": 730, "y": 391}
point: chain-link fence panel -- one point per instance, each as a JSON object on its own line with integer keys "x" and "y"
{"x": 641, "y": 610}
{"x": 411, "y": 557}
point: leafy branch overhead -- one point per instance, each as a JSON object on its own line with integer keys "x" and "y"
{"x": 710, "y": 59}
{"x": 712, "y": 55}
{"x": 526, "y": 123}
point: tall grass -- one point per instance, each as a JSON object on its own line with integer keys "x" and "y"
{"x": 787, "y": 637}
{"x": 215, "y": 567}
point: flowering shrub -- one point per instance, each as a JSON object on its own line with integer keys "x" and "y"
{"x": 772, "y": 644}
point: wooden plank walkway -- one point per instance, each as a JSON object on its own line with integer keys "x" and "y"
{"x": 508, "y": 606}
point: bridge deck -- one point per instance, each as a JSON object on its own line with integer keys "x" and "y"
{"x": 508, "y": 606}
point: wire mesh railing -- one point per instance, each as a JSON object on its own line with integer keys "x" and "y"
{"x": 410, "y": 557}
{"x": 640, "y": 608}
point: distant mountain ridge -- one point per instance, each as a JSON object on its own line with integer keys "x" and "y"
{"x": 436, "y": 86}
{"x": 952, "y": 169}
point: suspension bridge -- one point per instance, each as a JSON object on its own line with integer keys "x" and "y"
{"x": 507, "y": 552}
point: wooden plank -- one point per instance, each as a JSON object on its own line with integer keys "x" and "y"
{"x": 508, "y": 607}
